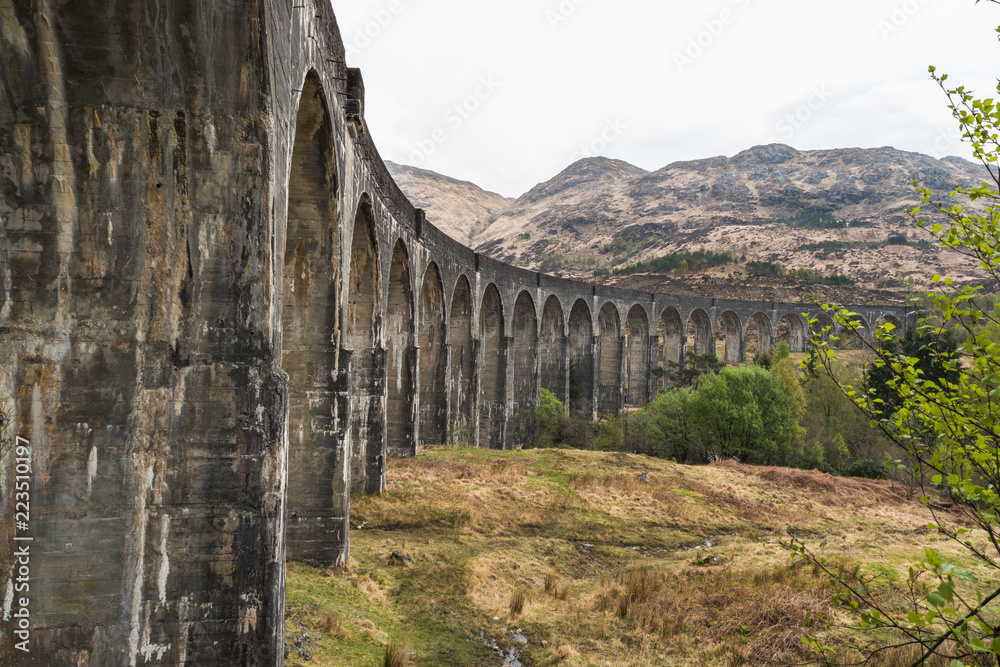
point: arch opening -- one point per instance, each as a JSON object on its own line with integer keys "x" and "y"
{"x": 525, "y": 352}
{"x": 671, "y": 345}
{"x": 823, "y": 326}
{"x": 637, "y": 372}
{"x": 433, "y": 360}
{"x": 852, "y": 336}
{"x": 401, "y": 357}
{"x": 317, "y": 485}
{"x": 609, "y": 360}
{"x": 462, "y": 392}
{"x": 363, "y": 329}
{"x": 729, "y": 338}
{"x": 699, "y": 334}
{"x": 759, "y": 338}
{"x": 581, "y": 359}
{"x": 493, "y": 371}
{"x": 553, "y": 353}
{"x": 792, "y": 330}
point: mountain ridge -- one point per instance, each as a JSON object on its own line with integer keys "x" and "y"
{"x": 832, "y": 210}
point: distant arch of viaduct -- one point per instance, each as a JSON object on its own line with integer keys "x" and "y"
{"x": 219, "y": 315}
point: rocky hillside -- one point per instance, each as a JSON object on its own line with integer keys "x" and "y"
{"x": 828, "y": 211}
{"x": 458, "y": 208}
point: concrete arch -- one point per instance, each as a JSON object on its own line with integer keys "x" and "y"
{"x": 699, "y": 333}
{"x": 729, "y": 338}
{"x": 671, "y": 341}
{"x": 609, "y": 360}
{"x": 581, "y": 359}
{"x": 552, "y": 350}
{"x": 433, "y": 356}
{"x": 637, "y": 372}
{"x": 792, "y": 330}
{"x": 493, "y": 371}
{"x": 758, "y": 335}
{"x": 317, "y": 484}
{"x": 400, "y": 356}
{"x": 363, "y": 328}
{"x": 462, "y": 395}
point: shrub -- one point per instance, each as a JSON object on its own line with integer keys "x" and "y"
{"x": 518, "y": 599}
{"x": 396, "y": 656}
{"x": 668, "y": 427}
{"x": 868, "y": 469}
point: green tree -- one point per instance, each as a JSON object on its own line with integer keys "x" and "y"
{"x": 668, "y": 426}
{"x": 541, "y": 426}
{"x": 928, "y": 352}
{"x": 947, "y": 422}
{"x": 745, "y": 413}
{"x": 695, "y": 365}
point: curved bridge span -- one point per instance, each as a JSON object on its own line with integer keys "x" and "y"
{"x": 219, "y": 316}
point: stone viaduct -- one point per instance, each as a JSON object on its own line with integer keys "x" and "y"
{"x": 219, "y": 315}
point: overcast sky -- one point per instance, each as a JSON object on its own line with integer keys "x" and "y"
{"x": 508, "y": 93}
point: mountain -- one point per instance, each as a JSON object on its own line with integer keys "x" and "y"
{"x": 842, "y": 210}
{"x": 458, "y": 208}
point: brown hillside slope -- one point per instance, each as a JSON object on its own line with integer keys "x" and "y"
{"x": 458, "y": 208}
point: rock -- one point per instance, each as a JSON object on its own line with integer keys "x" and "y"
{"x": 397, "y": 559}
{"x": 768, "y": 503}
{"x": 644, "y": 478}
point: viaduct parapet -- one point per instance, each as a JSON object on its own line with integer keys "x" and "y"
{"x": 219, "y": 316}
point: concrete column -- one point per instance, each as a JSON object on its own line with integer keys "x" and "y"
{"x": 449, "y": 409}
{"x": 477, "y": 378}
{"x": 565, "y": 352}
{"x": 622, "y": 371}
{"x": 594, "y": 380}
{"x": 652, "y": 361}
{"x": 507, "y": 354}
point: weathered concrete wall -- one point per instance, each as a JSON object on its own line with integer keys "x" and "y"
{"x": 219, "y": 315}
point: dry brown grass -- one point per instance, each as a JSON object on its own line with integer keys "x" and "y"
{"x": 330, "y": 626}
{"x": 373, "y": 590}
{"x": 563, "y": 653}
{"x": 518, "y": 601}
{"x": 767, "y": 605}
{"x": 396, "y": 655}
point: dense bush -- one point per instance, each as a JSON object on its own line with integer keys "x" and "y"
{"x": 542, "y": 426}
{"x": 868, "y": 469}
{"x": 745, "y": 413}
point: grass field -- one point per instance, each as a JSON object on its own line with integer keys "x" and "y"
{"x": 607, "y": 569}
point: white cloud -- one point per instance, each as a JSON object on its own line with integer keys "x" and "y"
{"x": 563, "y": 79}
